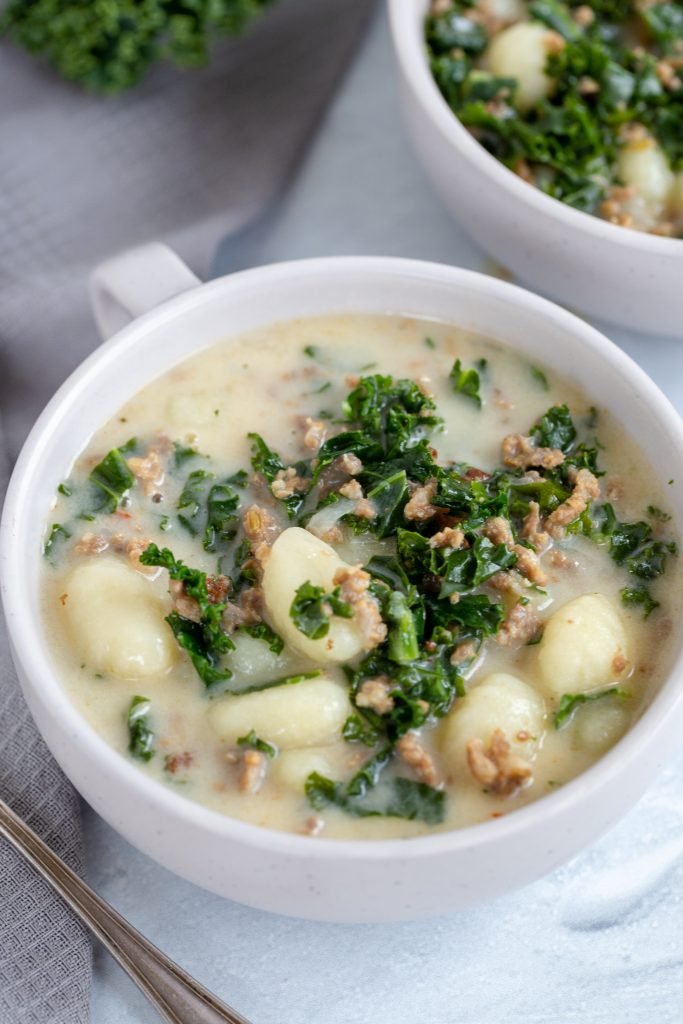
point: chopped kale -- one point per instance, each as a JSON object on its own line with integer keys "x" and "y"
{"x": 111, "y": 479}
{"x": 57, "y": 533}
{"x": 312, "y": 609}
{"x": 262, "y": 631}
{"x": 607, "y": 74}
{"x": 466, "y": 382}
{"x": 572, "y": 701}
{"x": 639, "y": 596}
{"x": 66, "y": 489}
{"x": 540, "y": 378}
{"x": 268, "y": 463}
{"x": 398, "y": 798}
{"x": 252, "y": 742}
{"x": 193, "y": 498}
{"x": 140, "y": 736}
{"x": 396, "y": 414}
{"x": 555, "y": 429}
{"x": 205, "y": 641}
{"x": 182, "y": 454}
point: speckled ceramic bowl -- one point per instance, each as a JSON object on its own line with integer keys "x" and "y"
{"x": 338, "y": 880}
{"x": 626, "y": 277}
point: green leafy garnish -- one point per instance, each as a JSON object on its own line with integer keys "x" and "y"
{"x": 639, "y": 596}
{"x": 312, "y": 609}
{"x": 398, "y": 798}
{"x": 205, "y": 641}
{"x": 252, "y": 742}
{"x": 540, "y": 378}
{"x": 466, "y": 382}
{"x": 57, "y": 533}
{"x": 262, "y": 631}
{"x": 268, "y": 463}
{"x": 106, "y": 48}
{"x": 141, "y": 737}
{"x": 111, "y": 479}
{"x": 571, "y": 701}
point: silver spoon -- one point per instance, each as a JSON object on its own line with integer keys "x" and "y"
{"x": 177, "y": 996}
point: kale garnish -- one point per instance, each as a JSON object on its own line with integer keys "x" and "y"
{"x": 58, "y": 532}
{"x": 312, "y": 609}
{"x": 262, "y": 631}
{"x": 269, "y": 464}
{"x": 252, "y": 742}
{"x": 570, "y": 140}
{"x": 111, "y": 479}
{"x": 205, "y": 640}
{"x": 466, "y": 382}
{"x": 140, "y": 735}
{"x": 397, "y": 798}
{"x": 570, "y": 702}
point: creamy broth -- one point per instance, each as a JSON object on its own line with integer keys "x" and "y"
{"x": 104, "y": 611}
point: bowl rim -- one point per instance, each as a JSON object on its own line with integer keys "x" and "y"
{"x": 30, "y": 649}
{"x": 412, "y": 57}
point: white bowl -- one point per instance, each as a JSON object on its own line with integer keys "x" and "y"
{"x": 623, "y": 276}
{"x": 291, "y": 874}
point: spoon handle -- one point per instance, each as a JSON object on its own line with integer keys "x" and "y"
{"x": 175, "y": 994}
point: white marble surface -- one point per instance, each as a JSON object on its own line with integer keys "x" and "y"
{"x": 597, "y": 942}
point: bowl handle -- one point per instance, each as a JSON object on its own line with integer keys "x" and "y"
{"x": 130, "y": 284}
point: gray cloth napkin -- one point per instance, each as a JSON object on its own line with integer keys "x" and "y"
{"x": 185, "y": 158}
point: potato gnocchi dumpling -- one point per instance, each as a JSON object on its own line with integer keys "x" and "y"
{"x": 307, "y": 714}
{"x": 116, "y": 620}
{"x": 500, "y": 701}
{"x": 298, "y": 557}
{"x": 584, "y": 647}
{"x": 521, "y": 52}
{"x": 292, "y": 767}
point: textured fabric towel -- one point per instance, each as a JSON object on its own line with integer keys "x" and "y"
{"x": 184, "y": 158}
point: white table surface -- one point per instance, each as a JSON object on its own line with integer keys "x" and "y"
{"x": 601, "y": 940}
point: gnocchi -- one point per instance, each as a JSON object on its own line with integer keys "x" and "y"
{"x": 297, "y": 557}
{"x": 307, "y": 714}
{"x": 116, "y": 620}
{"x": 584, "y": 647}
{"x": 500, "y": 701}
{"x": 521, "y": 52}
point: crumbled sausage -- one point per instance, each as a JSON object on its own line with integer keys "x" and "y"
{"x": 286, "y": 483}
{"x": 463, "y": 652}
{"x": 419, "y": 507}
{"x": 313, "y": 826}
{"x": 182, "y": 602}
{"x": 262, "y": 530}
{"x": 149, "y": 470}
{"x": 508, "y": 582}
{"x": 532, "y": 530}
{"x": 498, "y": 531}
{"x": 521, "y": 625}
{"x": 217, "y": 588}
{"x": 353, "y": 583}
{"x": 248, "y": 611}
{"x": 134, "y": 547}
{"x": 586, "y": 489}
{"x": 252, "y": 771}
{"x": 91, "y": 544}
{"x": 315, "y": 433}
{"x": 173, "y": 763}
{"x": 352, "y": 489}
{"x": 450, "y": 537}
{"x": 521, "y": 452}
{"x": 528, "y": 565}
{"x": 376, "y": 695}
{"x": 416, "y": 757}
{"x": 348, "y": 463}
{"x": 495, "y": 766}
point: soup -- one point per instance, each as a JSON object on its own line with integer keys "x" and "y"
{"x": 360, "y": 577}
{"x": 582, "y": 100}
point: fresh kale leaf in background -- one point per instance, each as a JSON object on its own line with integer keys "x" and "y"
{"x": 107, "y": 46}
